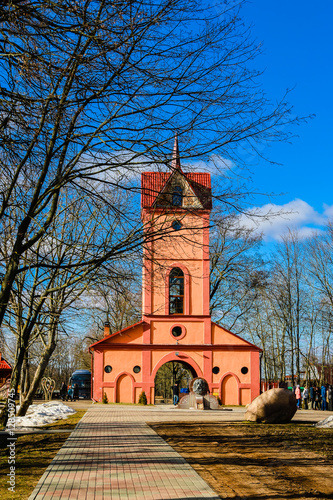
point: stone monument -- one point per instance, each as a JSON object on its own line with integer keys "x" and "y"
{"x": 199, "y": 397}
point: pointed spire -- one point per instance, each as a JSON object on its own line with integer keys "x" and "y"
{"x": 175, "y": 156}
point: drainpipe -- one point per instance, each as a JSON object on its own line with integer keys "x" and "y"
{"x": 92, "y": 376}
{"x": 260, "y": 357}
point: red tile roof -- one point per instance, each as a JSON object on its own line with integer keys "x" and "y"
{"x": 4, "y": 365}
{"x": 152, "y": 184}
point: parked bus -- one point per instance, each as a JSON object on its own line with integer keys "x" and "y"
{"x": 83, "y": 379}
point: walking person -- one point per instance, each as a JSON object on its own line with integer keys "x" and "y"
{"x": 63, "y": 391}
{"x": 175, "y": 391}
{"x": 298, "y": 396}
{"x": 323, "y": 398}
{"x": 305, "y": 397}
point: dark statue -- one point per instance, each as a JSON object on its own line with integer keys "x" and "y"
{"x": 199, "y": 397}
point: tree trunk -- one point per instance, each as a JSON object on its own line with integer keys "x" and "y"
{"x": 292, "y": 361}
{"x": 27, "y": 400}
{"x": 14, "y": 382}
{"x": 25, "y": 378}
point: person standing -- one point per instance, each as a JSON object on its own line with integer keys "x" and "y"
{"x": 70, "y": 393}
{"x": 305, "y": 397}
{"x": 323, "y": 397}
{"x": 329, "y": 397}
{"x": 298, "y": 396}
{"x": 317, "y": 398}
{"x": 175, "y": 394}
{"x": 63, "y": 391}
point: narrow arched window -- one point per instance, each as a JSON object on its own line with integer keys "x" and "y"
{"x": 177, "y": 196}
{"x": 176, "y": 291}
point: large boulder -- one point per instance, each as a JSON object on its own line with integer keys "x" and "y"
{"x": 276, "y": 406}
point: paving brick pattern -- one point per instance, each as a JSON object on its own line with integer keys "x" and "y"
{"x": 114, "y": 454}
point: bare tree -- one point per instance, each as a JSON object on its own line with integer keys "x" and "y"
{"x": 113, "y": 298}
{"x": 91, "y": 93}
{"x": 284, "y": 305}
{"x": 234, "y": 272}
{"x": 50, "y": 283}
{"x": 290, "y": 318}
{"x": 93, "y": 90}
{"x": 320, "y": 263}
{"x": 288, "y": 294}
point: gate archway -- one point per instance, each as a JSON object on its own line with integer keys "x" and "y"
{"x": 167, "y": 375}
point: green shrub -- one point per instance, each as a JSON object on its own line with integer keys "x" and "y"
{"x": 143, "y": 398}
{"x": 105, "y": 399}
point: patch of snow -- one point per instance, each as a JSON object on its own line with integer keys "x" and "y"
{"x": 328, "y": 422}
{"x": 42, "y": 414}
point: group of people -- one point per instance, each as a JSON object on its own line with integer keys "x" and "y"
{"x": 320, "y": 398}
{"x": 69, "y": 393}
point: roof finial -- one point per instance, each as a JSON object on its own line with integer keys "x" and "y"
{"x": 175, "y": 156}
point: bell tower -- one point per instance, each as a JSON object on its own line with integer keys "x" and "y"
{"x": 175, "y": 210}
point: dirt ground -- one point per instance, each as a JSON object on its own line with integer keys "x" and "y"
{"x": 257, "y": 462}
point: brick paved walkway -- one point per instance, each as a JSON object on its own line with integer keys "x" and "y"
{"x": 114, "y": 454}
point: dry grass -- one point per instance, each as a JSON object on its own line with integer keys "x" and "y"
{"x": 257, "y": 461}
{"x": 34, "y": 452}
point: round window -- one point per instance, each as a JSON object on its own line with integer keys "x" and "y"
{"x": 216, "y": 370}
{"x": 244, "y": 370}
{"x": 108, "y": 369}
{"x": 177, "y": 331}
{"x": 137, "y": 369}
{"x": 176, "y": 225}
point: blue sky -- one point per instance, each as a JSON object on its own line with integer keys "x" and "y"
{"x": 297, "y": 41}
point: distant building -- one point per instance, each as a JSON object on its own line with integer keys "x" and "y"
{"x": 5, "y": 370}
{"x": 176, "y": 324}
{"x": 324, "y": 373}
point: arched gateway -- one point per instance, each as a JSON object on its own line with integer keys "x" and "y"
{"x": 176, "y": 325}
{"x": 168, "y": 374}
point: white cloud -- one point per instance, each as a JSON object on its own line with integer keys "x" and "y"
{"x": 328, "y": 210}
{"x": 275, "y": 221}
{"x": 125, "y": 167}
{"x": 272, "y": 220}
{"x": 215, "y": 165}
